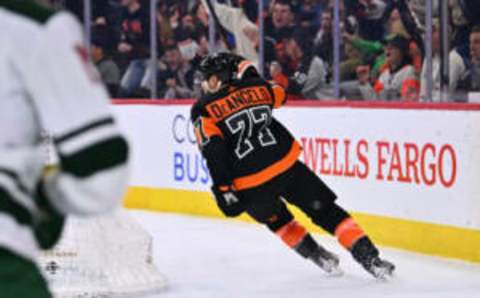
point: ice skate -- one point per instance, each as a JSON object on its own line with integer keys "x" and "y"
{"x": 380, "y": 269}
{"x": 328, "y": 261}
{"x": 365, "y": 253}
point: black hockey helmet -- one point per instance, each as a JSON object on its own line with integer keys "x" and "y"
{"x": 221, "y": 64}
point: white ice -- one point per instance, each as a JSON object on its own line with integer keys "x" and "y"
{"x": 215, "y": 258}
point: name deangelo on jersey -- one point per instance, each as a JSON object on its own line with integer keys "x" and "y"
{"x": 238, "y": 100}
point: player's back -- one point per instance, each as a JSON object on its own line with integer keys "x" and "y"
{"x": 45, "y": 64}
{"x": 259, "y": 147}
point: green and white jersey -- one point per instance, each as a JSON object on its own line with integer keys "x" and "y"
{"x": 48, "y": 83}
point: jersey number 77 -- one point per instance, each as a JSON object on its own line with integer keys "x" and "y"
{"x": 248, "y": 124}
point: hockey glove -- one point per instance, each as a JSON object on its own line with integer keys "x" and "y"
{"x": 228, "y": 200}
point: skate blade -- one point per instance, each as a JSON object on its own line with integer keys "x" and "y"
{"x": 383, "y": 274}
{"x": 335, "y": 272}
{"x": 332, "y": 268}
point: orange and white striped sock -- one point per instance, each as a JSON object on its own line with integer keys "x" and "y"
{"x": 348, "y": 232}
{"x": 292, "y": 233}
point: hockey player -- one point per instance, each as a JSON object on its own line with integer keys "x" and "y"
{"x": 47, "y": 83}
{"x": 253, "y": 161}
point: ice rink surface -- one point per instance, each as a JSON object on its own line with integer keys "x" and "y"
{"x": 214, "y": 258}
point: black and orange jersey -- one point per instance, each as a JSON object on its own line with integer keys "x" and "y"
{"x": 244, "y": 145}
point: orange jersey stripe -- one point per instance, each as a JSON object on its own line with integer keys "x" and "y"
{"x": 292, "y": 233}
{"x": 280, "y": 96}
{"x": 348, "y": 232}
{"x": 242, "y": 67}
{"x": 281, "y": 79}
{"x": 210, "y": 128}
{"x": 206, "y": 130}
{"x": 270, "y": 172}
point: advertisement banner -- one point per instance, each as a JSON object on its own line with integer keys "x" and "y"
{"x": 413, "y": 164}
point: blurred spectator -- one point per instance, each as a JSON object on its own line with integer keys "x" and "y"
{"x": 106, "y": 17}
{"x": 400, "y": 10}
{"x": 323, "y": 41}
{"x": 200, "y": 16}
{"x": 186, "y": 28}
{"x": 457, "y": 69}
{"x": 185, "y": 35}
{"x": 351, "y": 60}
{"x": 244, "y": 31}
{"x": 202, "y": 51}
{"x": 308, "y": 15}
{"x": 309, "y": 79}
{"x": 108, "y": 69}
{"x": 134, "y": 45}
{"x": 394, "y": 24}
{"x": 107, "y": 13}
{"x": 475, "y": 56}
{"x": 397, "y": 80}
{"x": 100, "y": 10}
{"x": 282, "y": 21}
{"x": 174, "y": 77}
{"x": 369, "y": 14}
{"x": 373, "y": 51}
{"x": 471, "y": 10}
{"x": 461, "y": 25}
{"x": 400, "y": 22}
{"x": 165, "y": 31}
{"x": 418, "y": 9}
{"x": 174, "y": 16}
{"x": 279, "y": 25}
{"x": 472, "y": 80}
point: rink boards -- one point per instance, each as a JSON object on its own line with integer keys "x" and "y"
{"x": 410, "y": 174}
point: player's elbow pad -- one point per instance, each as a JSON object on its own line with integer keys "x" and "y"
{"x": 92, "y": 181}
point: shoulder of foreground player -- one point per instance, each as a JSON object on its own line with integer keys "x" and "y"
{"x": 20, "y": 34}
{"x": 64, "y": 26}
{"x": 28, "y": 9}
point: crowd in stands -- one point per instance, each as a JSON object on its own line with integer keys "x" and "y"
{"x": 382, "y": 46}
